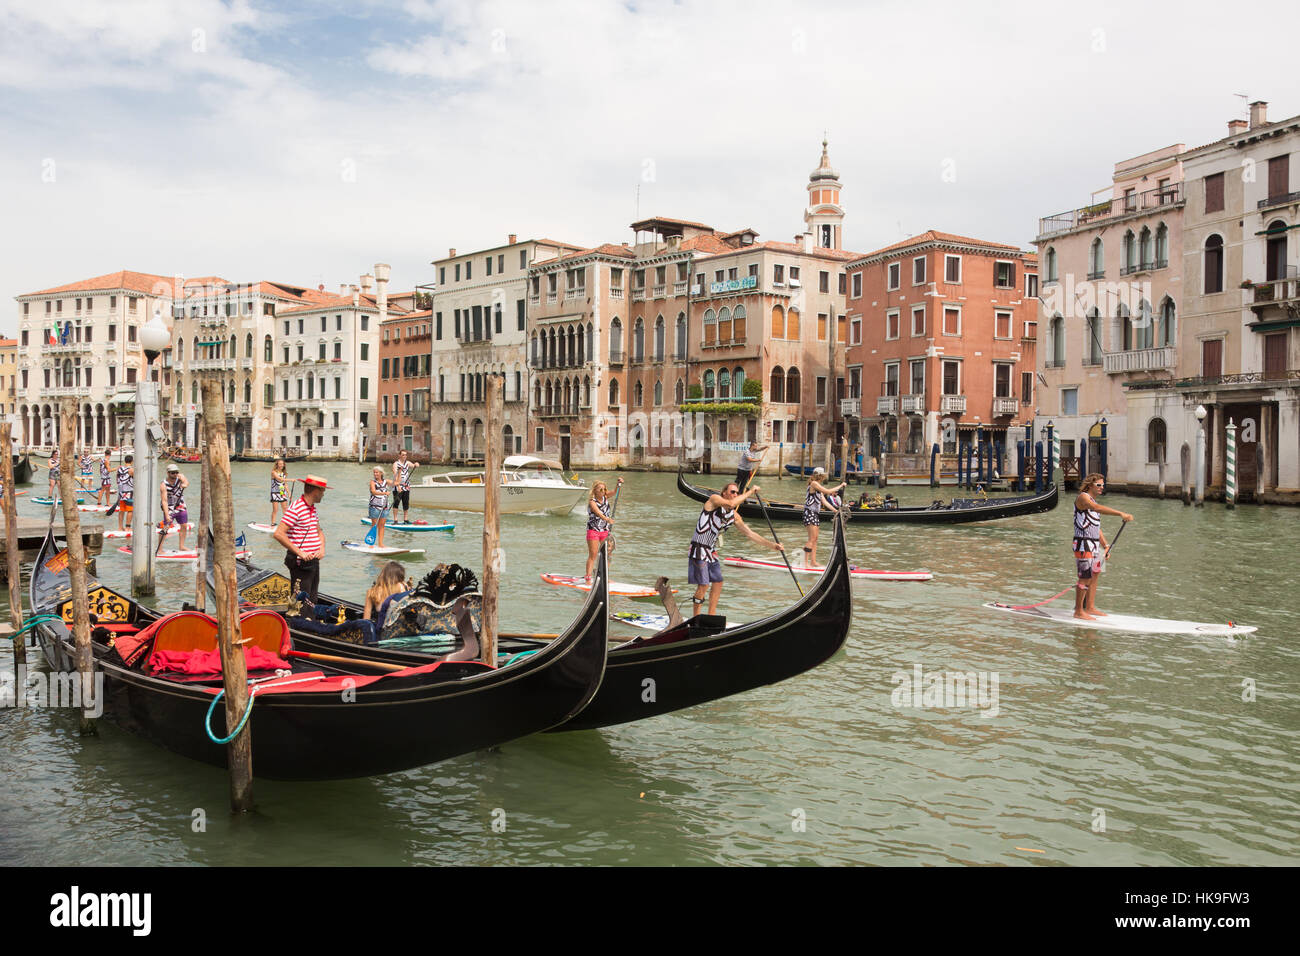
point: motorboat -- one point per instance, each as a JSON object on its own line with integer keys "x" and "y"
{"x": 528, "y": 486}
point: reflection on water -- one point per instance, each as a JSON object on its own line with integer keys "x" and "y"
{"x": 1148, "y": 735}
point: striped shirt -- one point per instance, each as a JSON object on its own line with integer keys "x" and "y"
{"x": 125, "y": 482}
{"x": 1087, "y": 524}
{"x": 303, "y": 527}
{"x": 598, "y": 524}
{"x": 708, "y": 527}
{"x": 379, "y": 495}
{"x": 403, "y": 471}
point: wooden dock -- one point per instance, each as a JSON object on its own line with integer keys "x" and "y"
{"x": 31, "y": 532}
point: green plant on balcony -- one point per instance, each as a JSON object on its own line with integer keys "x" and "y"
{"x": 720, "y": 408}
{"x": 1247, "y": 284}
{"x": 695, "y": 391}
{"x": 752, "y": 388}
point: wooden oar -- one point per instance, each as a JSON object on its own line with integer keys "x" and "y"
{"x": 784, "y": 556}
{"x": 757, "y": 465}
{"x": 332, "y": 659}
{"x": 612, "y": 508}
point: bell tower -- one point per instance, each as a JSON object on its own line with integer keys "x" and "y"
{"x": 824, "y": 217}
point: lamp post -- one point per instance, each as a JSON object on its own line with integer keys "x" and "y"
{"x": 1200, "y": 455}
{"x": 154, "y": 337}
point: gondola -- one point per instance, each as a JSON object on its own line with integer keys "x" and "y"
{"x": 22, "y": 469}
{"x": 701, "y": 660}
{"x": 186, "y": 456}
{"x": 957, "y": 511}
{"x": 393, "y": 722}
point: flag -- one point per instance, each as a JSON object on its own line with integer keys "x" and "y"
{"x": 53, "y": 340}
{"x": 240, "y": 543}
{"x": 67, "y": 332}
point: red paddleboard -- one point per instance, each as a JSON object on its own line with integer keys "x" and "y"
{"x": 127, "y": 533}
{"x": 171, "y": 555}
{"x": 759, "y": 564}
{"x": 615, "y": 587}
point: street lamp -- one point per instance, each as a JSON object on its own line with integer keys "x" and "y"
{"x": 154, "y": 337}
{"x": 1201, "y": 412}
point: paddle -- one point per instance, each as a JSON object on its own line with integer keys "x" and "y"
{"x": 784, "y": 556}
{"x": 758, "y": 464}
{"x": 332, "y": 659}
{"x": 373, "y": 534}
{"x": 613, "y": 508}
{"x": 1114, "y": 540}
{"x": 1026, "y": 607}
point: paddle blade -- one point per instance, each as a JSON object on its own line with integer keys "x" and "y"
{"x": 373, "y": 534}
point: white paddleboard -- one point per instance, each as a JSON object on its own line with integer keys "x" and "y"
{"x": 1126, "y": 622}
{"x": 385, "y": 552}
{"x": 761, "y": 564}
{"x": 649, "y": 622}
{"x": 411, "y": 525}
{"x": 127, "y": 532}
{"x": 617, "y": 588}
{"x": 169, "y": 554}
{"x": 264, "y": 528}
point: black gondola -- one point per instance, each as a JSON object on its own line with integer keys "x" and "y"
{"x": 22, "y": 469}
{"x": 696, "y": 662}
{"x": 393, "y": 722}
{"x": 957, "y": 511}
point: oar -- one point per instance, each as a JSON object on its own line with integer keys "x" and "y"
{"x": 1122, "y": 526}
{"x": 332, "y": 659}
{"x": 784, "y": 556}
{"x": 757, "y": 465}
{"x": 1026, "y": 607}
{"x": 613, "y": 508}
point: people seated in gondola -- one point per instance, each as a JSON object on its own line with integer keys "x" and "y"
{"x": 390, "y": 584}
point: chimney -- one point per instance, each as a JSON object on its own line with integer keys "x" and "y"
{"x": 367, "y": 281}
{"x": 321, "y": 287}
{"x": 1258, "y": 114}
{"x": 356, "y": 296}
{"x": 451, "y": 253}
{"x": 511, "y": 239}
{"x": 343, "y": 288}
{"x": 382, "y": 272}
{"x": 807, "y": 242}
{"x": 674, "y": 242}
{"x": 1236, "y": 126}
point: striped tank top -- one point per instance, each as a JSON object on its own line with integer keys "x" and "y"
{"x": 708, "y": 529}
{"x": 379, "y": 497}
{"x": 596, "y": 524}
{"x": 175, "y": 494}
{"x": 1087, "y": 524}
{"x": 125, "y": 482}
{"x": 404, "y": 475}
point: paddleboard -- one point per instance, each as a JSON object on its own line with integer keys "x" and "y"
{"x": 96, "y": 509}
{"x": 411, "y": 526}
{"x": 42, "y": 500}
{"x": 168, "y": 554}
{"x": 264, "y": 528}
{"x": 615, "y": 587}
{"x": 649, "y": 622}
{"x": 759, "y": 564}
{"x": 1126, "y": 622}
{"x": 385, "y": 552}
{"x": 127, "y": 533}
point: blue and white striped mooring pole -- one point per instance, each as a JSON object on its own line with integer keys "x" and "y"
{"x": 1230, "y": 496}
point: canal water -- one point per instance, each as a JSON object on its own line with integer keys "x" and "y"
{"x": 1091, "y": 749}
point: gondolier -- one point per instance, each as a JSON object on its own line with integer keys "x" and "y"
{"x": 719, "y": 513}
{"x": 402, "y": 469}
{"x": 125, "y": 491}
{"x": 299, "y": 532}
{"x": 173, "y": 502}
{"x": 750, "y": 459}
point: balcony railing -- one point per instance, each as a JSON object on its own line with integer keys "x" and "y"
{"x": 246, "y": 364}
{"x": 552, "y": 297}
{"x": 579, "y": 292}
{"x": 419, "y": 414}
{"x": 659, "y": 290}
{"x": 209, "y": 364}
{"x": 1141, "y": 360}
{"x": 953, "y": 403}
{"x": 245, "y": 409}
{"x": 638, "y": 295}
{"x": 616, "y": 292}
{"x": 69, "y": 348}
{"x": 851, "y": 407}
{"x": 1280, "y": 200}
{"x": 534, "y": 298}
{"x": 679, "y": 288}
{"x": 1276, "y": 292}
{"x": 1111, "y": 209}
{"x": 1005, "y": 406}
{"x": 616, "y": 357}
{"x": 886, "y": 404}
{"x": 913, "y": 404}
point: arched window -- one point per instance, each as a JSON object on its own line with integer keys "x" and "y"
{"x": 778, "y": 322}
{"x": 582, "y": 346}
{"x": 792, "y": 391}
{"x": 1130, "y": 252}
{"x": 508, "y": 434}
{"x": 248, "y": 345}
{"x": 724, "y": 383}
{"x": 659, "y": 339}
{"x": 1147, "y": 248}
{"x": 267, "y": 350}
{"x": 679, "y": 392}
{"x": 613, "y": 393}
{"x": 180, "y": 350}
{"x": 1144, "y": 328}
{"x": 537, "y": 396}
{"x": 1092, "y": 330}
{"x": 708, "y": 384}
{"x": 574, "y": 338}
{"x": 550, "y": 399}
{"x": 568, "y": 397}
{"x": 1157, "y": 443}
{"x": 1049, "y": 263}
{"x": 738, "y": 324}
{"x": 1162, "y": 246}
{"x": 1168, "y": 323}
{"x": 1096, "y": 260}
{"x": 738, "y": 382}
{"x": 586, "y": 391}
{"x": 710, "y": 327}
{"x": 724, "y": 325}
{"x": 615, "y": 343}
{"x": 638, "y": 340}
{"x": 1124, "y": 322}
{"x": 591, "y": 343}
{"x": 232, "y": 353}
{"x": 639, "y": 394}
{"x": 552, "y": 355}
{"x": 194, "y": 392}
{"x": 659, "y": 393}
{"x": 1058, "y": 341}
{"x": 792, "y": 325}
{"x": 681, "y": 336}
{"x": 776, "y": 388}
{"x": 1275, "y": 253}
{"x": 248, "y": 389}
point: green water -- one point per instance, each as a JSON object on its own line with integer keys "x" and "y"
{"x": 1106, "y": 748}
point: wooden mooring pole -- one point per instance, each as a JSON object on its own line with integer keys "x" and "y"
{"x": 234, "y": 673}
{"x": 492, "y": 462}
{"x": 201, "y": 539}
{"x": 68, "y": 488}
{"x": 11, "y": 549}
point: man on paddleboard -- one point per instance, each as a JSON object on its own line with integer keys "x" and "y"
{"x": 125, "y": 491}
{"x": 402, "y": 469}
{"x": 173, "y": 502}
{"x": 1090, "y": 545}
{"x": 299, "y": 532}
{"x": 703, "y": 569}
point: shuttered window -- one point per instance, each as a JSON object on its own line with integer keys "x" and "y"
{"x": 1214, "y": 193}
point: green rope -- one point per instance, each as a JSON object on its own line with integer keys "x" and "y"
{"x": 517, "y": 656}
{"x": 32, "y": 622}
{"x": 207, "y": 721}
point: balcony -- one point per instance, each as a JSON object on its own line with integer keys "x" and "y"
{"x": 660, "y": 291}
{"x": 247, "y": 364}
{"x": 850, "y": 408}
{"x": 534, "y": 298}
{"x": 638, "y": 295}
{"x": 230, "y": 409}
{"x": 245, "y": 409}
{"x": 1283, "y": 293}
{"x": 1005, "y": 406}
{"x": 68, "y": 349}
{"x": 679, "y": 288}
{"x": 1280, "y": 200}
{"x": 1116, "y": 208}
{"x": 616, "y": 292}
{"x": 912, "y": 405}
{"x": 887, "y": 405}
{"x": 952, "y": 404}
{"x": 419, "y": 414}
{"x": 571, "y": 295}
{"x": 1141, "y": 360}
{"x": 615, "y": 357}
{"x": 212, "y": 365}
{"x": 552, "y": 297}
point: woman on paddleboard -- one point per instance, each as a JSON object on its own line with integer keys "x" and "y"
{"x": 125, "y": 491}
{"x": 279, "y": 489}
{"x": 818, "y": 497}
{"x": 173, "y": 502}
{"x": 54, "y": 475}
{"x": 105, "y": 481}
{"x": 1090, "y": 545}
{"x": 379, "y": 505}
{"x": 703, "y": 569}
{"x": 600, "y": 507}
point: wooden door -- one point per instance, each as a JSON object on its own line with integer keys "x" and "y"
{"x": 1278, "y": 178}
{"x": 1212, "y": 358}
{"x": 1275, "y": 355}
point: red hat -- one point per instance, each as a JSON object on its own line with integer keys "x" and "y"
{"x": 314, "y": 482}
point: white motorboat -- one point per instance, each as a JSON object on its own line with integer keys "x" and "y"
{"x": 528, "y": 486}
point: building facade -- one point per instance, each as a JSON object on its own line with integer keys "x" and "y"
{"x": 942, "y": 346}
{"x": 9, "y": 387}
{"x": 1112, "y": 287}
{"x": 404, "y": 363}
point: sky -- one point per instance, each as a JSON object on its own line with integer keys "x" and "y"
{"x": 304, "y": 142}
